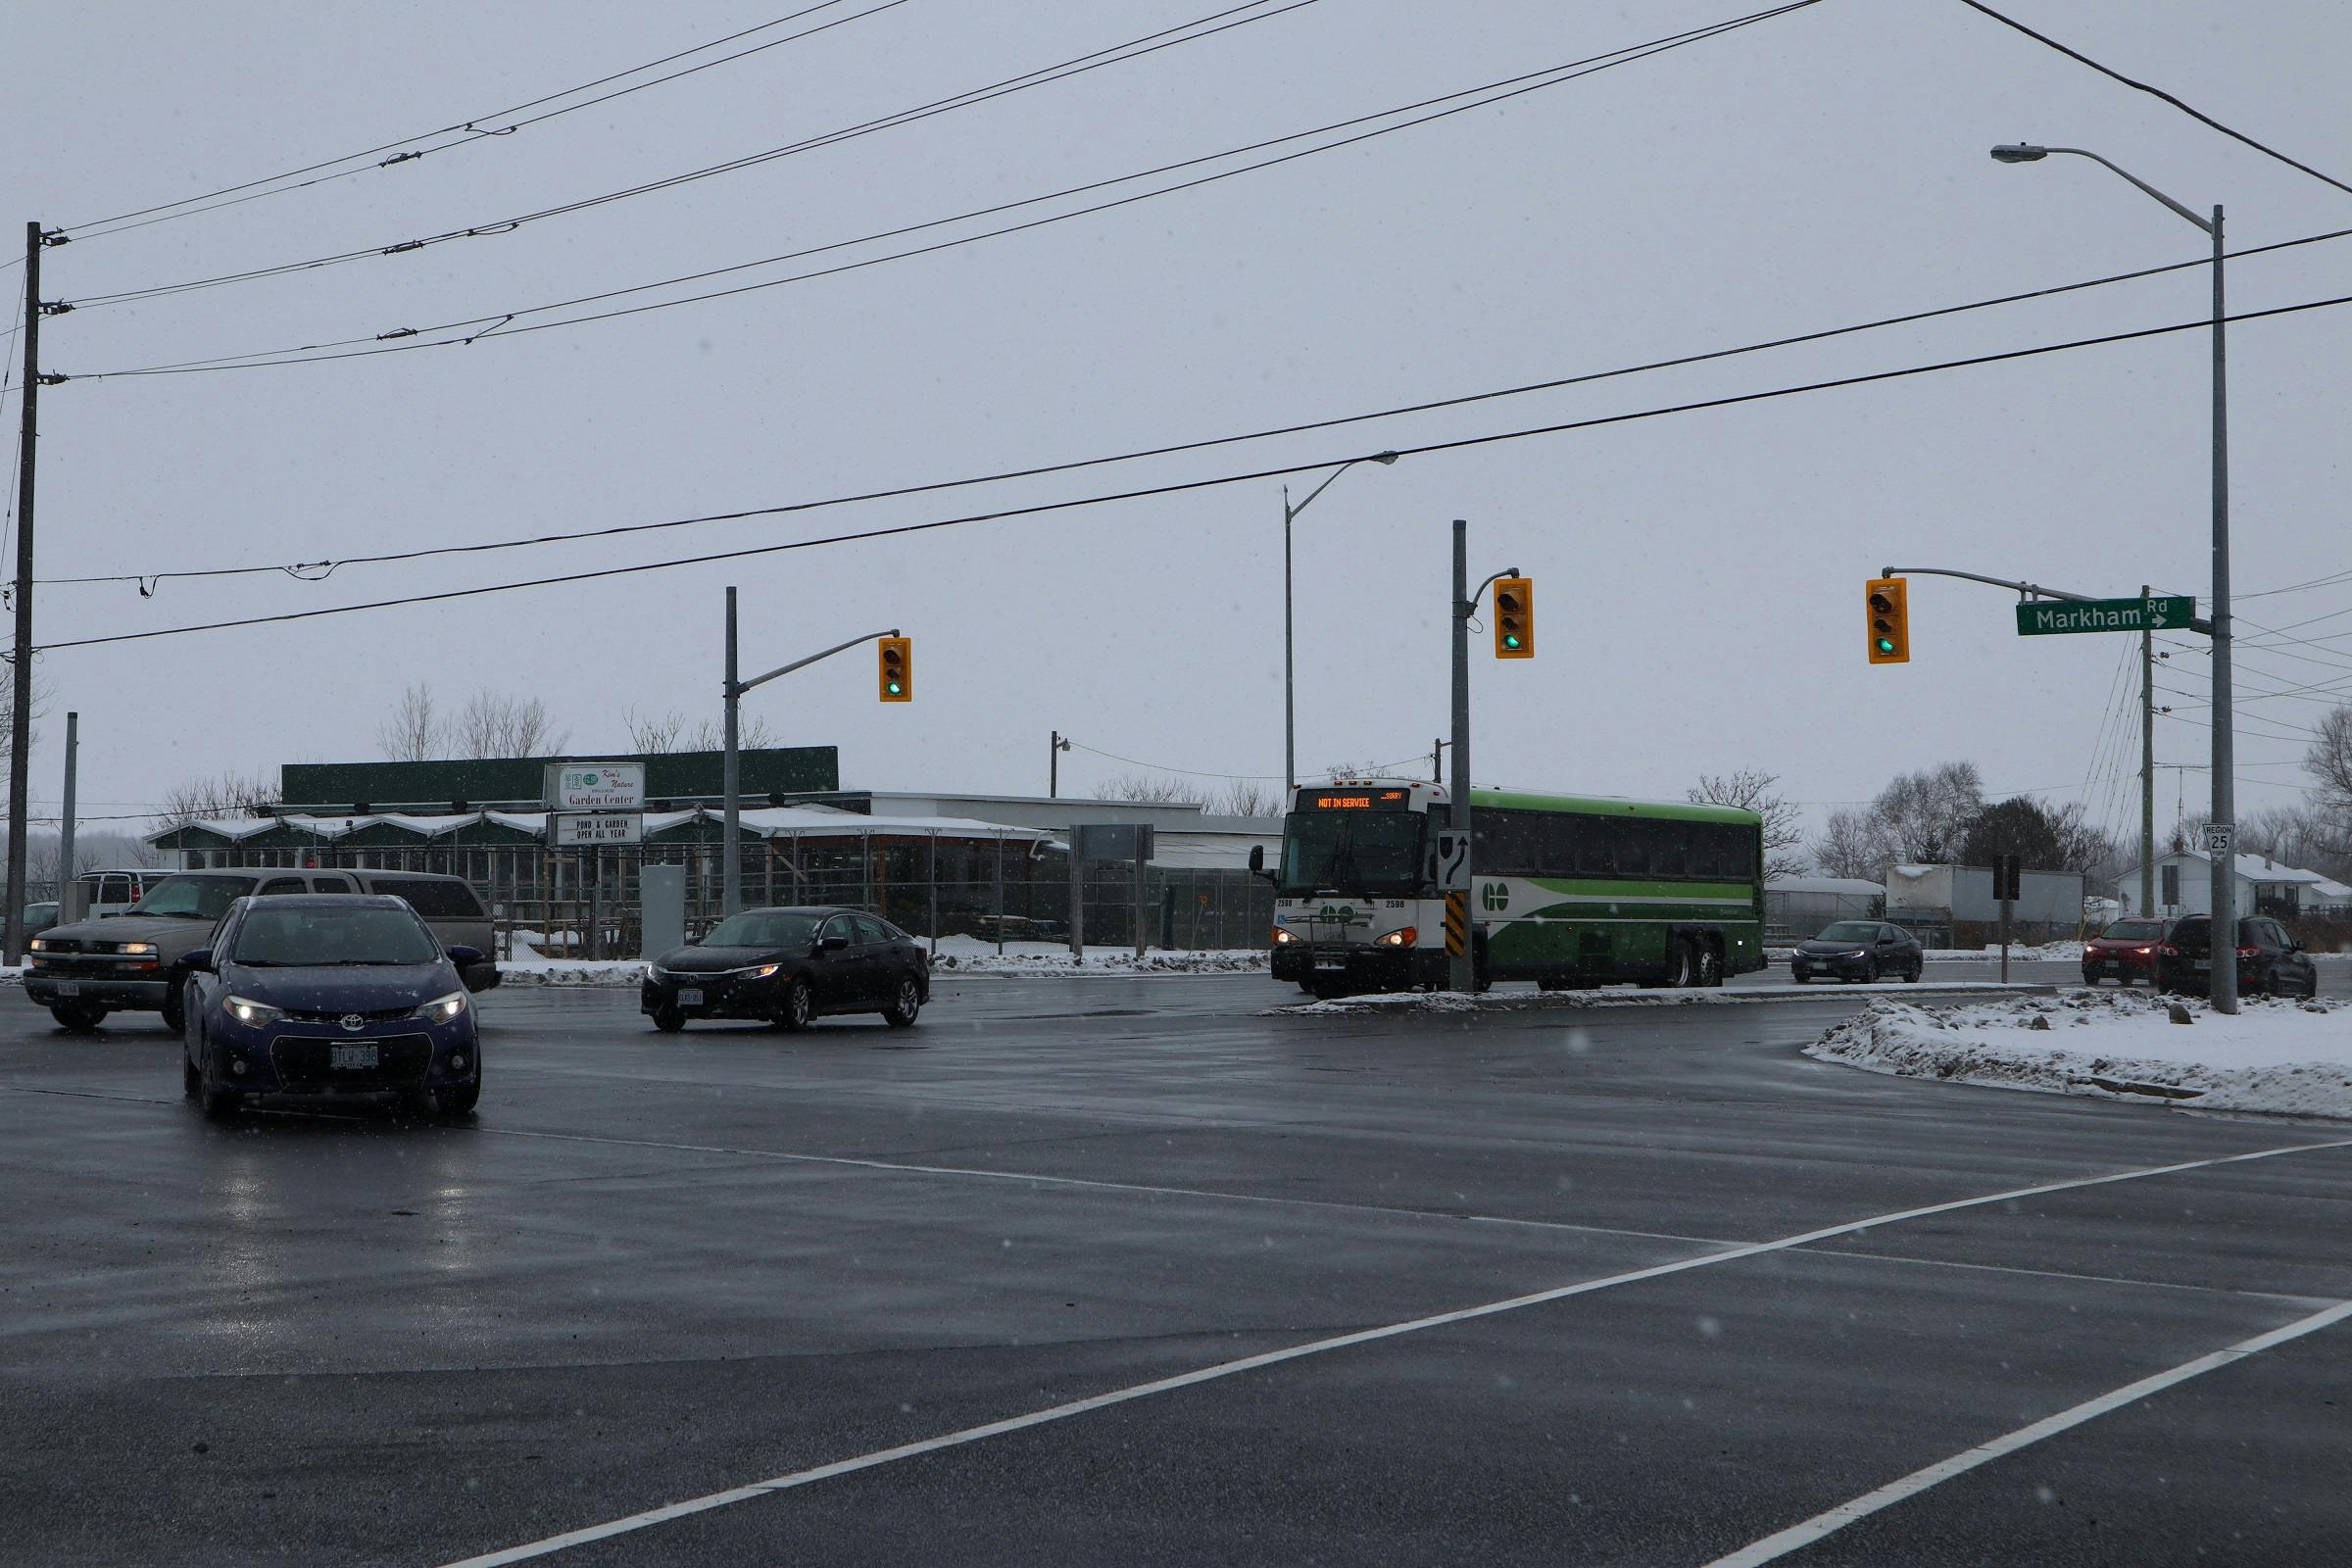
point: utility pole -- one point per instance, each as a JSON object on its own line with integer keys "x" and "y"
{"x": 1458, "y": 966}
{"x": 64, "y": 828}
{"x": 730, "y": 783}
{"x": 1437, "y": 763}
{"x": 20, "y": 733}
{"x": 2225, "y": 755}
{"x": 2148, "y": 767}
{"x": 1053, "y": 766}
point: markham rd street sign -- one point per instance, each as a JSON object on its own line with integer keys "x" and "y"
{"x": 2043, "y": 617}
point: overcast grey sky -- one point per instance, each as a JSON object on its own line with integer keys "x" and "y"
{"x": 1700, "y": 575}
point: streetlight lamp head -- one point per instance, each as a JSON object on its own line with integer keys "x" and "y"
{"x": 1384, "y": 458}
{"x": 2019, "y": 151}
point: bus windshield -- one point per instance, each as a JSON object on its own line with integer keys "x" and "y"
{"x": 1351, "y": 852}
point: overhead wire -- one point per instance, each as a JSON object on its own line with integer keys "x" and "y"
{"x": 1132, "y": 49}
{"x": 408, "y": 339}
{"x": 467, "y": 130}
{"x": 1455, "y": 444}
{"x": 2193, "y": 112}
{"x": 312, "y": 571}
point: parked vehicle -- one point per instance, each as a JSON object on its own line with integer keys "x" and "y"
{"x": 328, "y": 994}
{"x": 786, "y": 967}
{"x": 39, "y": 917}
{"x": 112, "y": 892}
{"x": 132, "y": 963}
{"x": 2270, "y": 962}
{"x": 1859, "y": 949}
{"x": 2125, "y": 951}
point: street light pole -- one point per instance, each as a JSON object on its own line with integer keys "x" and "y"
{"x": 1290, "y": 712}
{"x": 2222, "y": 837}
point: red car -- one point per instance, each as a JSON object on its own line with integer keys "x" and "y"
{"x": 2125, "y": 951}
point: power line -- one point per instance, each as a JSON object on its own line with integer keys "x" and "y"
{"x": 466, "y": 132}
{"x": 2141, "y": 87}
{"x": 1457, "y": 444}
{"x": 1044, "y": 76}
{"x": 318, "y": 570}
{"x": 403, "y": 340}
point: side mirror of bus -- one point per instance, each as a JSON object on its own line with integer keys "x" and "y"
{"x": 1258, "y": 859}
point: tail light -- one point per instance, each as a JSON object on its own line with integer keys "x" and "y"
{"x": 2167, "y": 950}
{"x": 2249, "y": 952}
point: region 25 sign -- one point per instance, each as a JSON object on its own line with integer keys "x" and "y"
{"x": 2043, "y": 617}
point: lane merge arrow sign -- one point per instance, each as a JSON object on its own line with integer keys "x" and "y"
{"x": 2041, "y": 617}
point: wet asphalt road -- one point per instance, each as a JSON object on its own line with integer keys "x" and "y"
{"x": 654, "y": 1269}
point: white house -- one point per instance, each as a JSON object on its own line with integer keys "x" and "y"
{"x": 2184, "y": 886}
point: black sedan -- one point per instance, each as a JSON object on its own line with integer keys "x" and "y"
{"x": 1858, "y": 950}
{"x": 788, "y": 967}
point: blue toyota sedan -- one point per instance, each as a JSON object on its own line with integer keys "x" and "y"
{"x": 330, "y": 994}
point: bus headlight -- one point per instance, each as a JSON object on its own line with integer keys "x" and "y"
{"x": 1283, "y": 936}
{"x": 1402, "y": 937}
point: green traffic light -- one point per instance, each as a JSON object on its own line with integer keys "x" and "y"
{"x": 896, "y": 688}
{"x": 1886, "y": 645}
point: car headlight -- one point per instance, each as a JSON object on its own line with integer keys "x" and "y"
{"x": 40, "y": 944}
{"x": 248, "y": 1012}
{"x": 759, "y": 971}
{"x": 442, "y": 1010}
{"x": 653, "y": 971}
{"x": 1402, "y": 936}
{"x": 142, "y": 949}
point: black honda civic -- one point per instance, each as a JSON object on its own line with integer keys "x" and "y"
{"x": 788, "y": 967}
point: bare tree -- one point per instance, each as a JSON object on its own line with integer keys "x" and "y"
{"x": 1753, "y": 790}
{"x": 1849, "y": 846}
{"x": 1153, "y": 788}
{"x": 221, "y": 796}
{"x": 659, "y": 734}
{"x": 2329, "y": 760}
{"x": 413, "y": 731}
{"x": 492, "y": 724}
{"x": 1245, "y": 797}
{"x": 1923, "y": 817}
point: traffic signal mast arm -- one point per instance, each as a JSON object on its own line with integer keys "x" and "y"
{"x": 742, "y": 686}
{"x": 2034, "y": 590}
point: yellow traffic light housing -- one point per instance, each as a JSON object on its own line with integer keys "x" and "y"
{"x": 1890, "y": 617}
{"x": 896, "y": 656}
{"x": 1514, "y": 617}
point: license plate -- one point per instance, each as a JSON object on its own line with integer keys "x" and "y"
{"x": 1331, "y": 963}
{"x": 2202, "y": 963}
{"x": 690, "y": 999}
{"x": 345, "y": 1058}
{"x": 67, "y": 988}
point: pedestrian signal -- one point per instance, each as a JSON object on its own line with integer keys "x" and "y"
{"x": 1514, "y": 617}
{"x": 896, "y": 657}
{"x": 1890, "y": 621}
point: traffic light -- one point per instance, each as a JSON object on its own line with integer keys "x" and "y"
{"x": 897, "y": 659}
{"x": 1514, "y": 617}
{"x": 1889, "y": 622}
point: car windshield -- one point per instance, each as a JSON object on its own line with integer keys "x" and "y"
{"x": 197, "y": 898}
{"x": 284, "y": 937}
{"x": 1847, "y": 931}
{"x": 764, "y": 930}
{"x": 1351, "y": 852}
{"x": 2134, "y": 931}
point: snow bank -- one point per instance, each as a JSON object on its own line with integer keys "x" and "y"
{"x": 2290, "y": 1058}
{"x": 1400, "y": 1002}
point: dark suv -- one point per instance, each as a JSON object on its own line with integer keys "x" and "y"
{"x": 2270, "y": 962}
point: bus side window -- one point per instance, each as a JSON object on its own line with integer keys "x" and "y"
{"x": 1667, "y": 856}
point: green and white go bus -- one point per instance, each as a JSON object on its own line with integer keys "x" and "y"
{"x": 1565, "y": 890}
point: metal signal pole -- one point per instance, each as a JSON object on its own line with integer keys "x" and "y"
{"x": 20, "y": 729}
{"x": 1458, "y": 972}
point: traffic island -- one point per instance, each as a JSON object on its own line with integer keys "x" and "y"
{"x": 2282, "y": 1057}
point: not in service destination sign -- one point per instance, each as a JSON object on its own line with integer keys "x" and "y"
{"x": 2044, "y": 617}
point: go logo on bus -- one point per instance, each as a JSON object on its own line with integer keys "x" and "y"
{"x": 1495, "y": 896}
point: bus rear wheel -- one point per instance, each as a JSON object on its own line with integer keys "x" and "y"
{"x": 1710, "y": 964}
{"x": 1682, "y": 964}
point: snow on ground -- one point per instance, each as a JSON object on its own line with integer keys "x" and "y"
{"x": 956, "y": 956}
{"x": 1398, "y": 1002}
{"x": 2291, "y": 1057}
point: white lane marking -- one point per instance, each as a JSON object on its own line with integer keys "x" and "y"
{"x": 901, "y": 1168}
{"x": 1797, "y": 1537}
{"x": 1250, "y": 1363}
